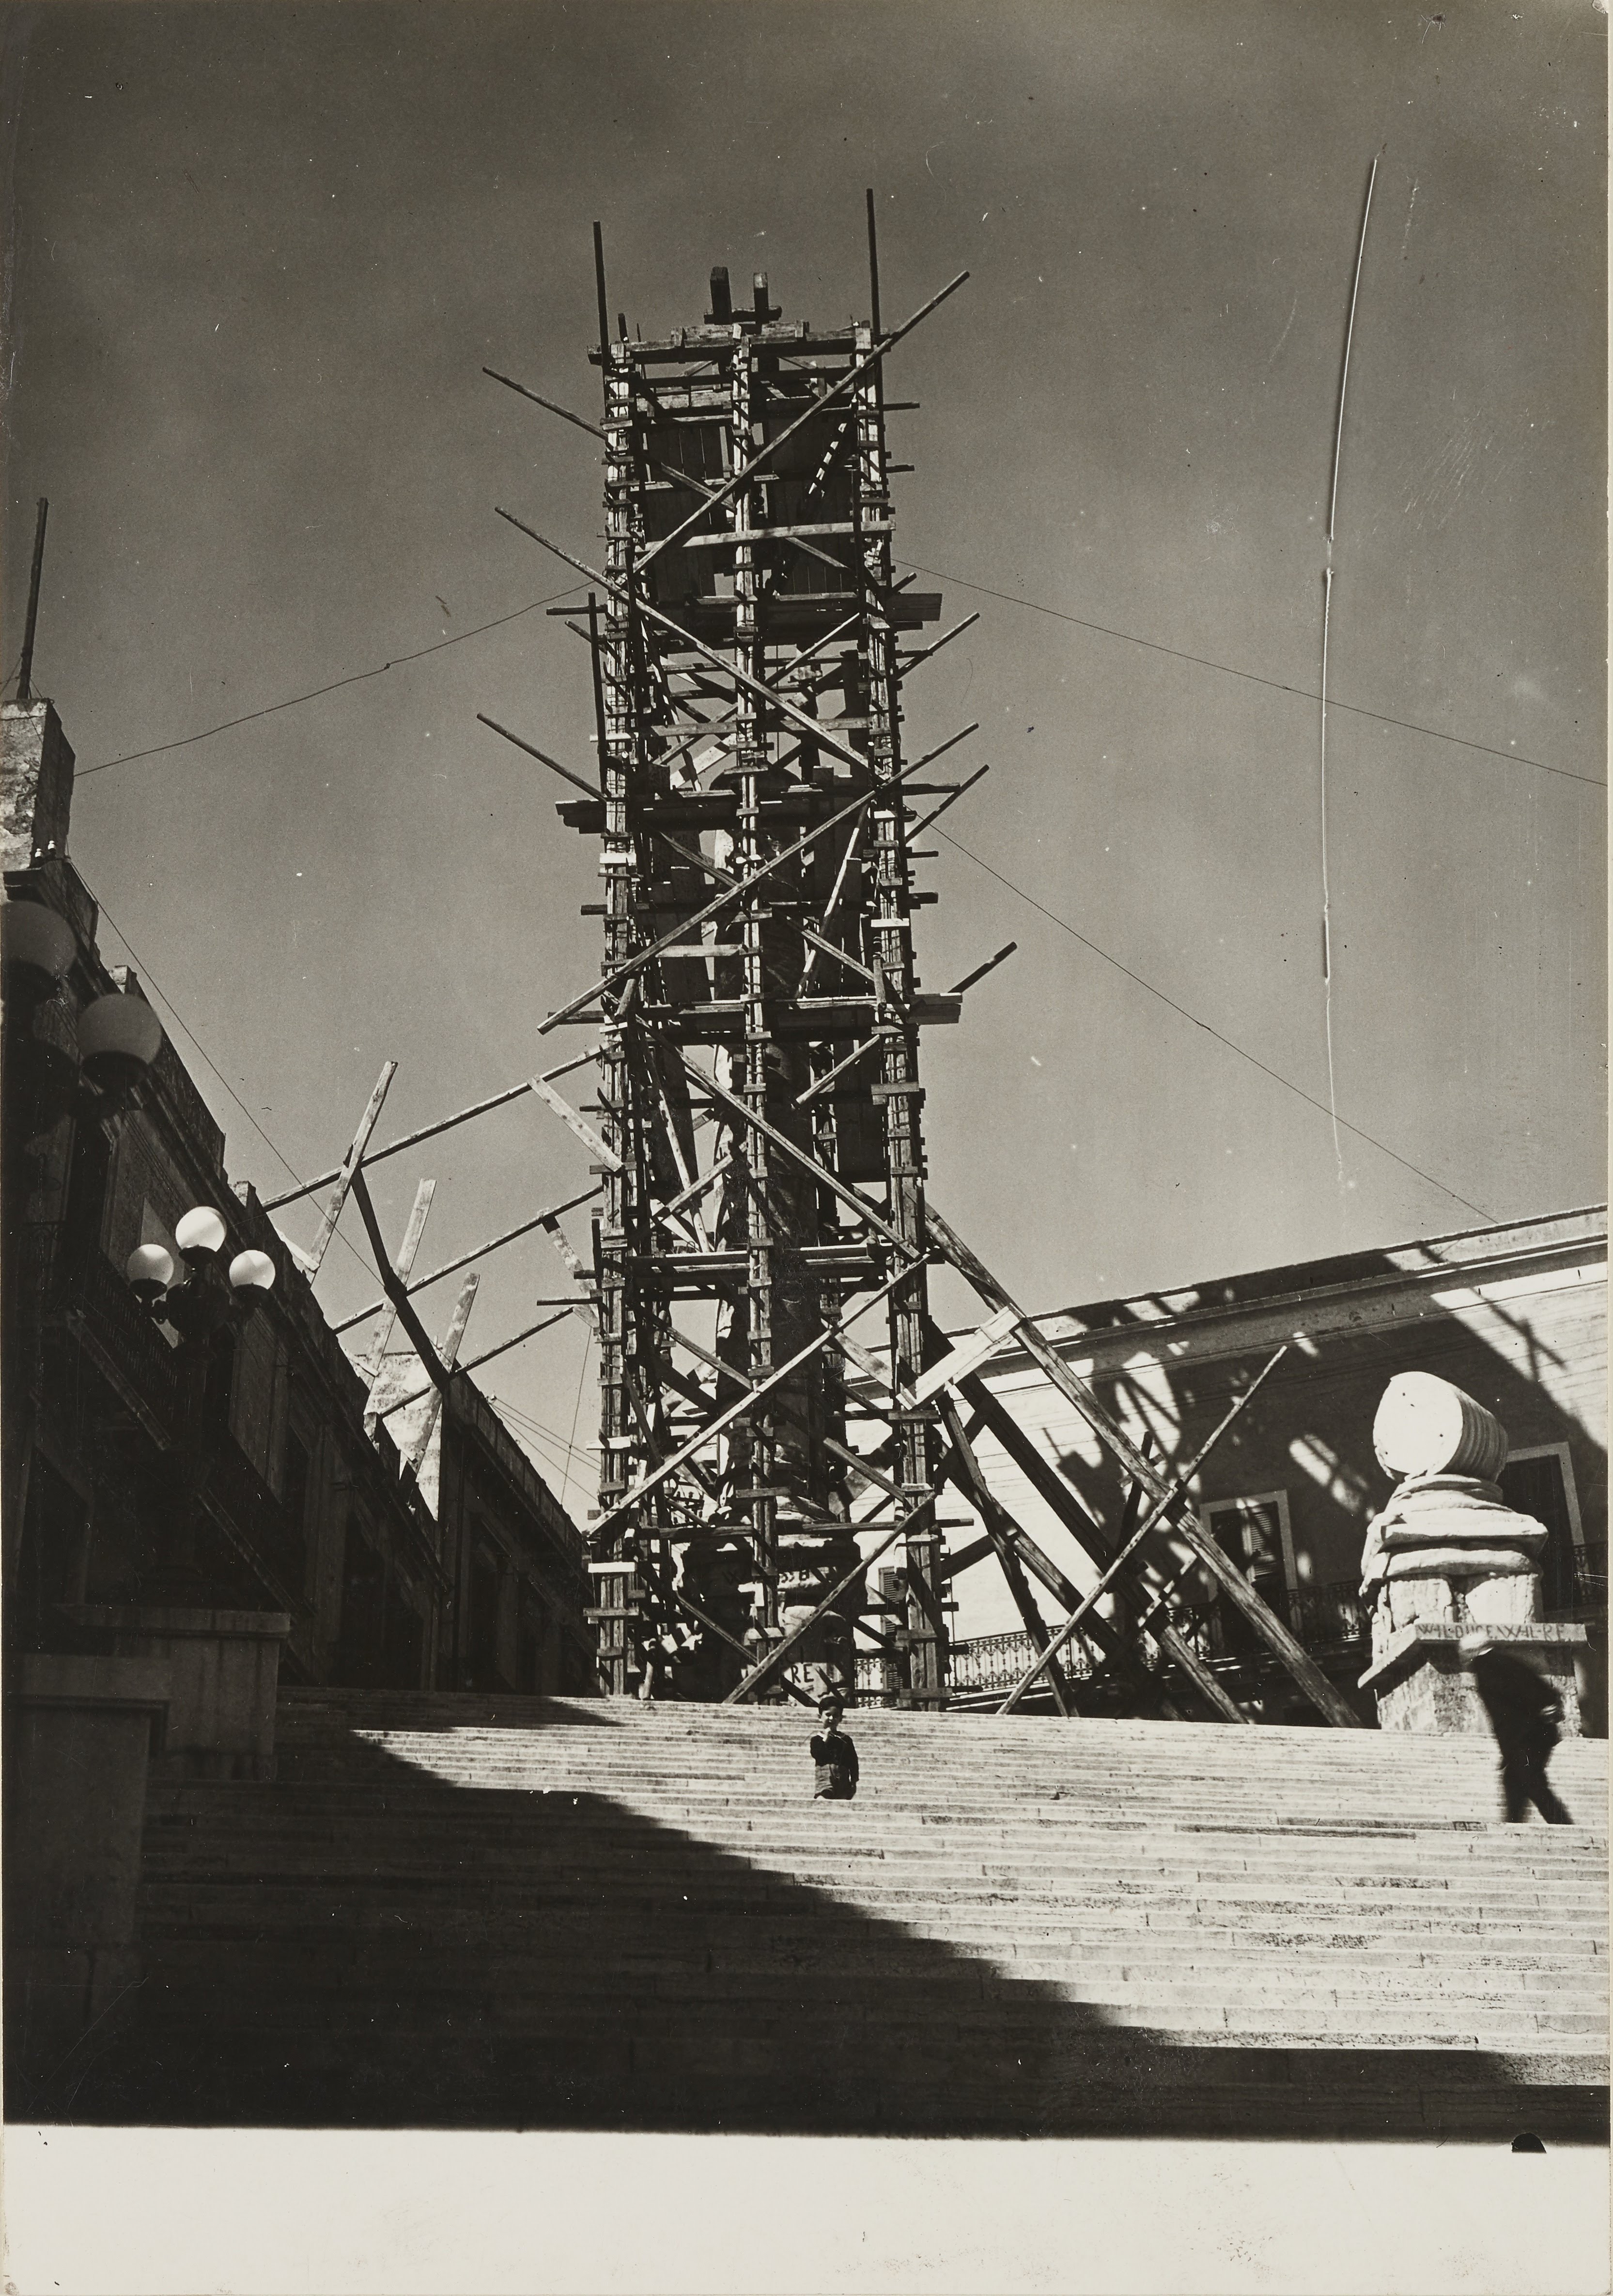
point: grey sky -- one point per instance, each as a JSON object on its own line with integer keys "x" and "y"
{"x": 260, "y": 255}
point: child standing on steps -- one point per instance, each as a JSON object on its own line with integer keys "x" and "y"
{"x": 834, "y": 1755}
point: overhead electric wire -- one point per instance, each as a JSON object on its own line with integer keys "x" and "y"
{"x": 1008, "y": 597}
{"x": 1253, "y": 677}
{"x": 986, "y": 590}
{"x": 1277, "y": 1076}
{"x": 149, "y": 980}
{"x": 555, "y": 1441}
{"x": 571, "y": 1449}
{"x": 292, "y": 701}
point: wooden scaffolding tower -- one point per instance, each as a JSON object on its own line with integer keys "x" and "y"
{"x": 757, "y": 1129}
{"x": 759, "y": 1073}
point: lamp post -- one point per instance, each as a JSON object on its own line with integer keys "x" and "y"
{"x": 201, "y": 1307}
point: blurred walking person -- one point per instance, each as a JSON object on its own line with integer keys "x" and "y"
{"x": 1525, "y": 1713}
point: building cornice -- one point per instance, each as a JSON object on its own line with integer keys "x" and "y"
{"x": 1403, "y": 1284}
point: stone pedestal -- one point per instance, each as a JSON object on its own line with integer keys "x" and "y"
{"x": 225, "y": 1669}
{"x": 1496, "y": 1599}
{"x": 79, "y": 1736}
{"x": 1421, "y": 1684}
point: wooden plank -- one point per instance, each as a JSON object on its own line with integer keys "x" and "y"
{"x": 1110, "y": 1638}
{"x": 402, "y": 1267}
{"x": 393, "y": 1288}
{"x": 310, "y": 1261}
{"x": 589, "y": 789}
{"x": 453, "y": 1267}
{"x": 573, "y": 1122}
{"x": 999, "y": 1527}
{"x": 858, "y": 1052}
{"x": 659, "y": 1473}
{"x": 1184, "y": 1523}
{"x": 967, "y": 1355}
{"x": 427, "y": 1131}
{"x": 780, "y": 1650}
{"x": 964, "y": 1558}
{"x": 867, "y": 365}
{"x": 1057, "y": 1494}
{"x": 1149, "y": 1518}
{"x": 819, "y": 1172}
{"x": 449, "y": 1352}
{"x": 516, "y": 1338}
{"x": 721, "y": 901}
{"x": 635, "y": 602}
{"x": 751, "y": 534}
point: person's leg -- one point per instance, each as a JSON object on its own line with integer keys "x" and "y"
{"x": 1547, "y": 1802}
{"x": 1516, "y": 1782}
{"x": 1540, "y": 1789}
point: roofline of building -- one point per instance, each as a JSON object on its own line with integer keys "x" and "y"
{"x": 1247, "y": 1307}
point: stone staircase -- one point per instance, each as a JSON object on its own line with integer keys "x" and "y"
{"x": 505, "y": 1912}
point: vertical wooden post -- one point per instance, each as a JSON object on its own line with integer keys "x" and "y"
{"x": 25, "y": 672}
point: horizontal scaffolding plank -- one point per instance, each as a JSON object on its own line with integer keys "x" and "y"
{"x": 799, "y": 614}
{"x": 811, "y": 1020}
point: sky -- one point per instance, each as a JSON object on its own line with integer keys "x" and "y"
{"x": 258, "y": 256}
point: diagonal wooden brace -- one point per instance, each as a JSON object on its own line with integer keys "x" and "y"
{"x": 1056, "y": 1495}
{"x": 999, "y": 1527}
{"x": 451, "y": 1357}
{"x": 721, "y": 901}
{"x": 403, "y": 1267}
{"x": 1184, "y": 1523}
{"x": 780, "y": 1650}
{"x": 309, "y": 1260}
{"x": 762, "y": 1387}
{"x": 867, "y": 364}
{"x": 806, "y": 1161}
{"x": 393, "y": 1285}
{"x": 1153, "y": 1515}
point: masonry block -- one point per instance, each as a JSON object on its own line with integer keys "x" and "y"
{"x": 36, "y": 784}
{"x": 79, "y": 1734}
{"x": 224, "y": 1668}
{"x": 1421, "y": 1684}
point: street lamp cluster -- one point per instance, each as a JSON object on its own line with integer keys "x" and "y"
{"x": 91, "y": 1065}
{"x": 207, "y": 1293}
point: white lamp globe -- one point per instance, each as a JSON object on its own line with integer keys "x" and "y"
{"x": 34, "y": 936}
{"x": 200, "y": 1231}
{"x": 120, "y": 1036}
{"x": 150, "y": 1271}
{"x": 252, "y": 1271}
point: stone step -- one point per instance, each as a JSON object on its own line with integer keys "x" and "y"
{"x": 1568, "y": 1970}
{"x": 1056, "y": 1882}
{"x": 552, "y": 1912}
{"x": 1347, "y": 1900}
{"x": 1383, "y": 1780}
{"x": 474, "y": 1803}
{"x": 392, "y": 2025}
{"x": 376, "y": 1964}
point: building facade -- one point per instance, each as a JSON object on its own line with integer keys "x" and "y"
{"x": 303, "y": 1506}
{"x": 1515, "y": 1314}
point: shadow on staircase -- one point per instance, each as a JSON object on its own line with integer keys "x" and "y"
{"x": 445, "y": 1956}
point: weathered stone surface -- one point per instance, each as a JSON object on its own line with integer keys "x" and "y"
{"x": 1421, "y": 1684}
{"x": 517, "y": 1912}
{"x": 224, "y": 1668}
{"x": 78, "y": 1738}
{"x": 36, "y": 784}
